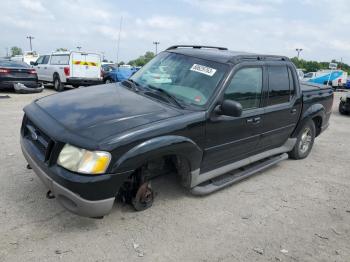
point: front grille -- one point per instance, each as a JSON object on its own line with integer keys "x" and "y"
{"x": 40, "y": 140}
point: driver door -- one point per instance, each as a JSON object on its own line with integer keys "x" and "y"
{"x": 230, "y": 139}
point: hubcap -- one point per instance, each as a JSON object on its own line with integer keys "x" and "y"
{"x": 305, "y": 141}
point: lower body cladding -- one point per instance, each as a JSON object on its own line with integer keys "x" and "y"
{"x": 66, "y": 197}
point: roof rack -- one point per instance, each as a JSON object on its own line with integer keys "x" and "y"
{"x": 197, "y": 47}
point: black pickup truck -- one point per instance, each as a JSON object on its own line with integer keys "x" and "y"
{"x": 209, "y": 115}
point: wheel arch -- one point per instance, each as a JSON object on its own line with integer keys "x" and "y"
{"x": 158, "y": 147}
{"x": 316, "y": 113}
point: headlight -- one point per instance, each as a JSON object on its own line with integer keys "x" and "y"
{"x": 84, "y": 161}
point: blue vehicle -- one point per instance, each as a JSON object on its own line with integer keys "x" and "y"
{"x": 334, "y": 78}
{"x": 112, "y": 73}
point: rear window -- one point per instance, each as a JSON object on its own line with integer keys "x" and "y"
{"x": 7, "y": 63}
{"x": 59, "y": 60}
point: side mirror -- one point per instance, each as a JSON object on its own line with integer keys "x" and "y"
{"x": 229, "y": 108}
{"x": 33, "y": 63}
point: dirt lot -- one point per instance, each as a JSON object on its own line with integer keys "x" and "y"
{"x": 295, "y": 211}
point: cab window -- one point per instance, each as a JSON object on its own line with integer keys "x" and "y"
{"x": 245, "y": 87}
{"x": 279, "y": 85}
{"x": 46, "y": 59}
{"x": 59, "y": 60}
{"x": 40, "y": 60}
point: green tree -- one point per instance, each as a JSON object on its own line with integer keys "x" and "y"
{"x": 121, "y": 63}
{"x": 61, "y": 49}
{"x": 15, "y": 50}
{"x": 142, "y": 60}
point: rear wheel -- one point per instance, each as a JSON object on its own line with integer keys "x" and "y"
{"x": 305, "y": 141}
{"x": 341, "y": 108}
{"x": 59, "y": 87}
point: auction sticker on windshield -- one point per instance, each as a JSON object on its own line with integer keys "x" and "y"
{"x": 203, "y": 69}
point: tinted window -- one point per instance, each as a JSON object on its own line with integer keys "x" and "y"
{"x": 291, "y": 83}
{"x": 46, "y": 59}
{"x": 59, "y": 60}
{"x": 245, "y": 87}
{"x": 278, "y": 85}
{"x": 8, "y": 63}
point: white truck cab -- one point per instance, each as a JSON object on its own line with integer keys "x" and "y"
{"x": 69, "y": 68}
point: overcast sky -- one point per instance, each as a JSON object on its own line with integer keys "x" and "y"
{"x": 266, "y": 26}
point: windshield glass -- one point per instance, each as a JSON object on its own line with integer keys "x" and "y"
{"x": 190, "y": 80}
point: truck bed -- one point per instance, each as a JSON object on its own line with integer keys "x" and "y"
{"x": 307, "y": 87}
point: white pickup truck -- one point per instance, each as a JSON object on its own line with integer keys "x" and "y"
{"x": 69, "y": 68}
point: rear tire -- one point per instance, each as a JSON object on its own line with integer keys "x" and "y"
{"x": 341, "y": 108}
{"x": 57, "y": 84}
{"x": 305, "y": 141}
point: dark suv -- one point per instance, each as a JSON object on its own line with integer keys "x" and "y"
{"x": 207, "y": 114}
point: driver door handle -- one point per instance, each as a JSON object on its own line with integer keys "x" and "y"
{"x": 293, "y": 111}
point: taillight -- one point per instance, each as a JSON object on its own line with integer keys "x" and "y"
{"x": 32, "y": 71}
{"x": 66, "y": 71}
{"x": 4, "y": 71}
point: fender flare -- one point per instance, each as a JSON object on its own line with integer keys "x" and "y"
{"x": 316, "y": 110}
{"x": 157, "y": 147}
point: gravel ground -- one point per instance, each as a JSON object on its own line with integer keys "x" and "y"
{"x": 295, "y": 211}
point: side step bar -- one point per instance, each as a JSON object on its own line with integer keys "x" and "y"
{"x": 234, "y": 176}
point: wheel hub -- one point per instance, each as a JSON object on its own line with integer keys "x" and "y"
{"x": 305, "y": 140}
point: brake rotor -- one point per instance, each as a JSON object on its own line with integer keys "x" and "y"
{"x": 144, "y": 197}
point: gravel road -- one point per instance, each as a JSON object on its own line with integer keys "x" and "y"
{"x": 294, "y": 211}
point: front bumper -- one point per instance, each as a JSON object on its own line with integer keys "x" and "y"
{"x": 83, "y": 81}
{"x": 68, "y": 199}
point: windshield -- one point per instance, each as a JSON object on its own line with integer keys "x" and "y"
{"x": 190, "y": 80}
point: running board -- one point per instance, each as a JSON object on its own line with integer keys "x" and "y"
{"x": 234, "y": 176}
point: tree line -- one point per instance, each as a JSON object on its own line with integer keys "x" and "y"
{"x": 313, "y": 66}
{"x": 306, "y": 66}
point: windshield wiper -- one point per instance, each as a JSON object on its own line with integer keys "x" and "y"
{"x": 170, "y": 97}
{"x": 131, "y": 84}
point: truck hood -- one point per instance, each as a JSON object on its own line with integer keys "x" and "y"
{"x": 102, "y": 111}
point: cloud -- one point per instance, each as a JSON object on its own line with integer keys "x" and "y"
{"x": 235, "y": 6}
{"x": 266, "y": 26}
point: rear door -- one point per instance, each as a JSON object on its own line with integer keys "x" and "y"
{"x": 282, "y": 104}
{"x": 85, "y": 65}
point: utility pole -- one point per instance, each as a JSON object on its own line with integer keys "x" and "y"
{"x": 299, "y": 51}
{"x": 79, "y": 47}
{"x": 156, "y": 44}
{"x": 30, "y": 41}
{"x": 120, "y": 30}
{"x": 7, "y": 52}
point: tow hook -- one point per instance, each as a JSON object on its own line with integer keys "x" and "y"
{"x": 144, "y": 197}
{"x": 50, "y": 195}
{"x": 29, "y": 167}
